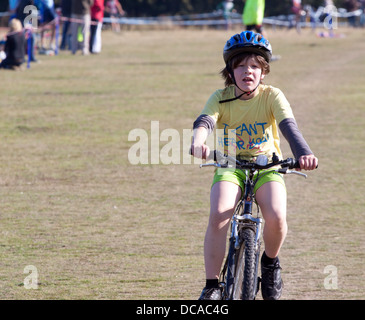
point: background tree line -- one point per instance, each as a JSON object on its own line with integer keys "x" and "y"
{"x": 138, "y": 8}
{"x": 146, "y": 8}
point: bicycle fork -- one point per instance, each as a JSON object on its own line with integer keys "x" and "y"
{"x": 246, "y": 220}
{"x": 241, "y": 219}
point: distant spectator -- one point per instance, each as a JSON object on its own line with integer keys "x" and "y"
{"x": 66, "y": 13}
{"x": 114, "y": 9}
{"x": 253, "y": 15}
{"x": 351, "y": 6}
{"x": 14, "y": 46}
{"x": 47, "y": 21}
{"x": 97, "y": 15}
{"x": 362, "y": 16}
{"x": 21, "y": 15}
{"x": 13, "y": 4}
{"x": 227, "y": 8}
{"x": 297, "y": 10}
{"x": 80, "y": 25}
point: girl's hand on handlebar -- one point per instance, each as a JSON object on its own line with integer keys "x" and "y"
{"x": 200, "y": 151}
{"x": 308, "y": 162}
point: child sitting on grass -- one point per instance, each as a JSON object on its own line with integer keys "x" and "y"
{"x": 14, "y": 46}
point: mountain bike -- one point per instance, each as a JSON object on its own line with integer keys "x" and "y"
{"x": 239, "y": 278}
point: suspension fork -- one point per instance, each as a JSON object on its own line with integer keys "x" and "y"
{"x": 248, "y": 221}
{"x": 246, "y": 218}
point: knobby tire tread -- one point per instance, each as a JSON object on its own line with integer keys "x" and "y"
{"x": 244, "y": 287}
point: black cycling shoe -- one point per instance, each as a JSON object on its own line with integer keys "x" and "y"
{"x": 211, "y": 294}
{"x": 271, "y": 283}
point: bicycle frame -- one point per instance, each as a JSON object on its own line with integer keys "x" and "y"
{"x": 243, "y": 213}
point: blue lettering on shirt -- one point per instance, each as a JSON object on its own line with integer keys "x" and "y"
{"x": 256, "y": 129}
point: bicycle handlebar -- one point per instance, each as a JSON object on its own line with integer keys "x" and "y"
{"x": 225, "y": 161}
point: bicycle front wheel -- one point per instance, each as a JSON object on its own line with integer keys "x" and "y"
{"x": 245, "y": 280}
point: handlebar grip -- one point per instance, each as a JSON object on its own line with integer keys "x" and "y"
{"x": 213, "y": 155}
{"x": 291, "y": 163}
{"x": 296, "y": 164}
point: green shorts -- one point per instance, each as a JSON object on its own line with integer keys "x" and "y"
{"x": 238, "y": 177}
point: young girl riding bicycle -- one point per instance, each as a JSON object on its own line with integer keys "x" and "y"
{"x": 253, "y": 113}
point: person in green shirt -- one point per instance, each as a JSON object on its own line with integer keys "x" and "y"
{"x": 253, "y": 15}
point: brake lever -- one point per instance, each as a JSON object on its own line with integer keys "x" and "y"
{"x": 297, "y": 172}
{"x": 287, "y": 171}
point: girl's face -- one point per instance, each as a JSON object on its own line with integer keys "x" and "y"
{"x": 248, "y": 75}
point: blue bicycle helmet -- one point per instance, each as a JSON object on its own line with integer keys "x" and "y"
{"x": 247, "y": 41}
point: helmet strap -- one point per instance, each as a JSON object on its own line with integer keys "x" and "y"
{"x": 229, "y": 69}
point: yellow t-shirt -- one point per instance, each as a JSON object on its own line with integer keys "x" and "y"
{"x": 250, "y": 127}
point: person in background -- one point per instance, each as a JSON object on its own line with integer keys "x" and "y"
{"x": 227, "y": 8}
{"x": 80, "y": 25}
{"x": 113, "y": 8}
{"x": 253, "y": 15}
{"x": 297, "y": 10}
{"x": 13, "y": 4}
{"x": 21, "y": 16}
{"x": 362, "y": 16}
{"x": 47, "y": 22}
{"x": 14, "y": 46}
{"x": 97, "y": 15}
{"x": 66, "y": 14}
{"x": 351, "y": 6}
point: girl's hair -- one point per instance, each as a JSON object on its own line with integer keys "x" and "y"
{"x": 15, "y": 25}
{"x": 236, "y": 60}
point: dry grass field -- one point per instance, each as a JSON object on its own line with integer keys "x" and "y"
{"x": 91, "y": 225}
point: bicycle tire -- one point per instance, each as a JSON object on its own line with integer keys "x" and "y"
{"x": 228, "y": 277}
{"x": 245, "y": 282}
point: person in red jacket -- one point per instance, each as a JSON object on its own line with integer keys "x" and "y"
{"x": 97, "y": 15}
